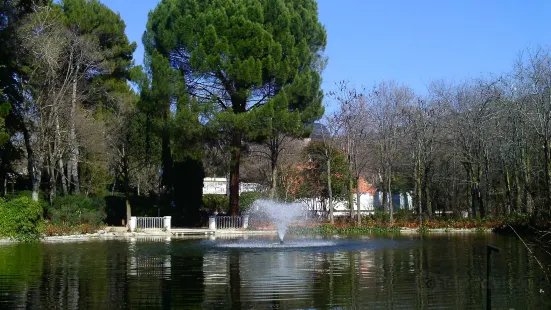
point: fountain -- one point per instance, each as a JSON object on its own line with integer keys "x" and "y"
{"x": 282, "y": 215}
{"x": 279, "y": 213}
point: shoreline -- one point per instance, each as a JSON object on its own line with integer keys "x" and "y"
{"x": 119, "y": 235}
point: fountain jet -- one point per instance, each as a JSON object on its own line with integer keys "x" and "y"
{"x": 279, "y": 213}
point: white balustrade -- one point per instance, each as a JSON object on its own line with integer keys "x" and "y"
{"x": 150, "y": 223}
{"x": 229, "y": 222}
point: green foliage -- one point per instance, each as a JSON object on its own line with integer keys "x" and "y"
{"x": 328, "y": 229}
{"x": 381, "y": 216}
{"x": 94, "y": 174}
{"x": 107, "y": 29}
{"x": 21, "y": 219}
{"x": 403, "y": 215}
{"x": 4, "y": 110}
{"x": 247, "y": 199}
{"x": 254, "y": 65}
{"x": 73, "y": 210}
{"x": 215, "y": 203}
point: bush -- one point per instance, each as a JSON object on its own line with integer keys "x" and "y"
{"x": 404, "y": 215}
{"x": 381, "y": 216}
{"x": 247, "y": 199}
{"x": 220, "y": 203}
{"x": 215, "y": 203}
{"x": 21, "y": 219}
{"x": 76, "y": 210}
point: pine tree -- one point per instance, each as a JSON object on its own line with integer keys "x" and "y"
{"x": 244, "y": 55}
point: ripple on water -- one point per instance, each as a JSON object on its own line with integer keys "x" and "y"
{"x": 271, "y": 244}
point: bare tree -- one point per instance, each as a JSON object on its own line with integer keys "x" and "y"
{"x": 387, "y": 104}
{"x": 353, "y": 114}
{"x": 53, "y": 52}
{"x": 533, "y": 91}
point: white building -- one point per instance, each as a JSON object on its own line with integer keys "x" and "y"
{"x": 219, "y": 186}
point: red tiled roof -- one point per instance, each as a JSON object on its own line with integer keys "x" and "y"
{"x": 365, "y": 187}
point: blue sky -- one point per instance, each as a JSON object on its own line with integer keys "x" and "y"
{"x": 411, "y": 42}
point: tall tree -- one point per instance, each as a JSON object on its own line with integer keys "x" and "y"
{"x": 388, "y": 101}
{"x": 107, "y": 87}
{"x": 50, "y": 50}
{"x": 241, "y": 55}
{"x": 353, "y": 113}
{"x": 12, "y": 12}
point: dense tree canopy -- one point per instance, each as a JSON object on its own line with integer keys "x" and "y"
{"x": 246, "y": 58}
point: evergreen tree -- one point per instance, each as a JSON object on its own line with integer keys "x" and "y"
{"x": 105, "y": 28}
{"x": 243, "y": 55}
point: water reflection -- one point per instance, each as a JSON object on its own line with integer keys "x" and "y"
{"x": 439, "y": 272}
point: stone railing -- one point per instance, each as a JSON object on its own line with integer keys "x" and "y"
{"x": 229, "y": 222}
{"x": 150, "y": 223}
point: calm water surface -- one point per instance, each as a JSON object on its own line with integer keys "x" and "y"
{"x": 439, "y": 272}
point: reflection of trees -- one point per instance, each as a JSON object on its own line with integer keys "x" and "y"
{"x": 235, "y": 281}
{"x": 435, "y": 272}
{"x": 20, "y": 267}
{"x": 184, "y": 286}
{"x": 149, "y": 263}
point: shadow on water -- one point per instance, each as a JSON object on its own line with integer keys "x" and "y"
{"x": 401, "y": 272}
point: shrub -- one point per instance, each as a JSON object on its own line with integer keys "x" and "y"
{"x": 220, "y": 203}
{"x": 21, "y": 219}
{"x": 215, "y": 203}
{"x": 404, "y": 215}
{"x": 381, "y": 216}
{"x": 247, "y": 199}
{"x": 76, "y": 210}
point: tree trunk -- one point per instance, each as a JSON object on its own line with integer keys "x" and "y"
{"x": 527, "y": 181}
{"x": 234, "y": 171}
{"x": 508, "y": 192}
{"x": 128, "y": 213}
{"x": 60, "y": 166}
{"x": 358, "y": 204}
{"x": 273, "y": 188}
{"x": 37, "y": 167}
{"x": 481, "y": 206}
{"x": 390, "y": 206}
{"x": 488, "y": 186}
{"x": 126, "y": 184}
{"x": 34, "y": 165}
{"x": 72, "y": 164}
{"x": 384, "y": 200}
{"x": 330, "y": 190}
{"x": 518, "y": 192}
{"x": 53, "y": 179}
{"x": 351, "y": 194}
{"x": 418, "y": 187}
{"x": 427, "y": 194}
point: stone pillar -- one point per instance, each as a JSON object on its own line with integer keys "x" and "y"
{"x": 245, "y": 219}
{"x": 167, "y": 222}
{"x": 133, "y": 223}
{"x": 212, "y": 222}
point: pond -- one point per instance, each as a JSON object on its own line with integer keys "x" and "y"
{"x": 404, "y": 272}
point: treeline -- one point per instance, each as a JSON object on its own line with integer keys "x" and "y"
{"x": 232, "y": 89}
{"x": 480, "y": 146}
{"x": 64, "y": 75}
{"x": 72, "y": 123}
{"x": 79, "y": 118}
